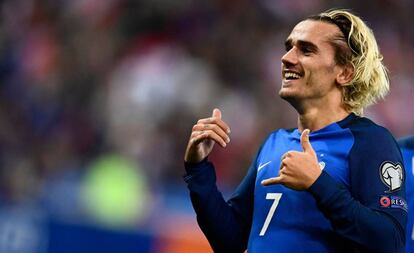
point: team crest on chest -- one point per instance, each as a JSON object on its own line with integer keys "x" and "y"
{"x": 392, "y": 175}
{"x": 322, "y": 165}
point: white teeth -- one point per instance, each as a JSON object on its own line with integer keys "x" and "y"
{"x": 291, "y": 75}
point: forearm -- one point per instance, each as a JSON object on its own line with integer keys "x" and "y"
{"x": 373, "y": 230}
{"x": 224, "y": 223}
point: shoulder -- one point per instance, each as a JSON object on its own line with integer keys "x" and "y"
{"x": 362, "y": 125}
{"x": 369, "y": 134}
{"x": 375, "y": 155}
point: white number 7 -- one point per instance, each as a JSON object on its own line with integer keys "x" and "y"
{"x": 276, "y": 197}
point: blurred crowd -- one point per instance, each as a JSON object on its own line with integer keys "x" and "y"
{"x": 98, "y": 97}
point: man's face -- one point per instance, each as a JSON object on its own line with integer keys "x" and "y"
{"x": 308, "y": 68}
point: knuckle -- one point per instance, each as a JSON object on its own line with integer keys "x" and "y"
{"x": 292, "y": 154}
{"x": 211, "y": 132}
{"x": 218, "y": 130}
{"x": 213, "y": 127}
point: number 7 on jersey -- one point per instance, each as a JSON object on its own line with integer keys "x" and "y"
{"x": 276, "y": 198}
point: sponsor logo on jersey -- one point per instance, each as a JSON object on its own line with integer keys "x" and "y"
{"x": 392, "y": 175}
{"x": 393, "y": 202}
{"x": 385, "y": 201}
{"x": 261, "y": 166}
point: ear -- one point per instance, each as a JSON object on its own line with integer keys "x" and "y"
{"x": 345, "y": 74}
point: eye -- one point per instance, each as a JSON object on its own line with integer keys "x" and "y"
{"x": 306, "y": 50}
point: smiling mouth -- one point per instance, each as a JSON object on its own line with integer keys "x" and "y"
{"x": 290, "y": 75}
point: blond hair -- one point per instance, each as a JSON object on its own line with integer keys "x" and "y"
{"x": 370, "y": 79}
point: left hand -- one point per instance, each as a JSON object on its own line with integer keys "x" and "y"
{"x": 298, "y": 170}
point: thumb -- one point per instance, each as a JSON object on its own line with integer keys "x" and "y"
{"x": 216, "y": 113}
{"x": 304, "y": 141}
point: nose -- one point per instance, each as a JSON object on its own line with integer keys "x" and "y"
{"x": 290, "y": 58}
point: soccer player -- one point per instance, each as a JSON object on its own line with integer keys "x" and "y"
{"x": 407, "y": 149}
{"x": 333, "y": 184}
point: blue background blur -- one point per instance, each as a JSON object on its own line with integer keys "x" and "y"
{"x": 98, "y": 97}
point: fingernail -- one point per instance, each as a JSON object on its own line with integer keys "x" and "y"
{"x": 228, "y": 140}
{"x": 228, "y": 131}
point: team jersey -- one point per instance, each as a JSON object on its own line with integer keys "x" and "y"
{"x": 357, "y": 204}
{"x": 407, "y": 149}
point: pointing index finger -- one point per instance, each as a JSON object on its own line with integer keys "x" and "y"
{"x": 271, "y": 181}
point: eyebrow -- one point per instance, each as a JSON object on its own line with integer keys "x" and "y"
{"x": 302, "y": 44}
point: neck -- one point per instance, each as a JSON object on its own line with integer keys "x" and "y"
{"x": 318, "y": 118}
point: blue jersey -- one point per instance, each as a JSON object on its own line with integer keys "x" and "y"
{"x": 356, "y": 205}
{"x": 407, "y": 149}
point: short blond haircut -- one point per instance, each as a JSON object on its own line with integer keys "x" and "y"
{"x": 370, "y": 79}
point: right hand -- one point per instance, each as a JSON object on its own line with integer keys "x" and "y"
{"x": 203, "y": 136}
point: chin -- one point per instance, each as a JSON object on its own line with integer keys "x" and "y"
{"x": 285, "y": 94}
{"x": 290, "y": 97}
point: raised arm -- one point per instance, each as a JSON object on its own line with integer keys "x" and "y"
{"x": 225, "y": 224}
